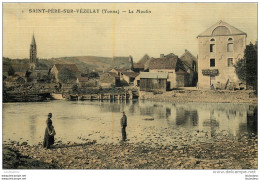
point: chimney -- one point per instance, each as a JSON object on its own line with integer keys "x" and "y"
{"x": 161, "y": 55}
{"x": 185, "y": 50}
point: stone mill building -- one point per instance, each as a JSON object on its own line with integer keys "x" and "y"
{"x": 220, "y": 47}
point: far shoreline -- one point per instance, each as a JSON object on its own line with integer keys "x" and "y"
{"x": 185, "y": 96}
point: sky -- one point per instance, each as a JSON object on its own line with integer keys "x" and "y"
{"x": 168, "y": 28}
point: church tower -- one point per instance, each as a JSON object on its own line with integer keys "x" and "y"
{"x": 33, "y": 52}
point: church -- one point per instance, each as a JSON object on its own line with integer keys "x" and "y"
{"x": 37, "y": 72}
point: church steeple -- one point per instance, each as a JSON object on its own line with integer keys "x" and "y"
{"x": 33, "y": 41}
{"x": 33, "y": 51}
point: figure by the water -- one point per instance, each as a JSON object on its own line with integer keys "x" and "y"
{"x": 49, "y": 133}
{"x": 123, "y": 122}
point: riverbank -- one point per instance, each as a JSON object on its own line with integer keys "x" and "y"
{"x": 222, "y": 154}
{"x": 212, "y": 96}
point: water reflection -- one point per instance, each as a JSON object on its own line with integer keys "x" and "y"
{"x": 101, "y": 120}
{"x": 252, "y": 119}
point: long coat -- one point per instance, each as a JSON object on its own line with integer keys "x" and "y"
{"x": 49, "y": 136}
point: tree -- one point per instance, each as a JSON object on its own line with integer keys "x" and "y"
{"x": 75, "y": 88}
{"x": 240, "y": 67}
{"x": 11, "y": 71}
{"x": 246, "y": 68}
{"x": 66, "y": 76}
{"x": 93, "y": 75}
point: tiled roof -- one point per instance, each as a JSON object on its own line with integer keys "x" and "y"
{"x": 83, "y": 79}
{"x": 71, "y": 67}
{"x": 150, "y": 75}
{"x": 222, "y": 28}
{"x": 163, "y": 63}
{"x": 138, "y": 65}
{"x": 131, "y": 74}
{"x": 144, "y": 59}
{"x": 113, "y": 74}
{"x": 188, "y": 59}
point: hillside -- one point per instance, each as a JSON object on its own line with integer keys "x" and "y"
{"x": 84, "y": 63}
{"x": 95, "y": 62}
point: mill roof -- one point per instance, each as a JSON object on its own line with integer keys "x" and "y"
{"x": 221, "y": 28}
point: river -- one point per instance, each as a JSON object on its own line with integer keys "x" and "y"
{"x": 152, "y": 123}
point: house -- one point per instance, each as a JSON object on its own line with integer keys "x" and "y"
{"x": 190, "y": 64}
{"x": 137, "y": 81}
{"x": 39, "y": 73}
{"x": 153, "y": 82}
{"x": 129, "y": 77}
{"x": 220, "y": 47}
{"x": 182, "y": 78}
{"x": 126, "y": 76}
{"x": 118, "y": 71}
{"x": 145, "y": 60}
{"x": 109, "y": 79}
{"x": 71, "y": 72}
{"x": 169, "y": 64}
{"x": 138, "y": 67}
{"x": 82, "y": 81}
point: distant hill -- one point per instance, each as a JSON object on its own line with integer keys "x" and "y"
{"x": 84, "y": 63}
{"x": 95, "y": 62}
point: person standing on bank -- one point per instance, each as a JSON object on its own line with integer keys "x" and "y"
{"x": 123, "y": 126}
{"x": 49, "y": 133}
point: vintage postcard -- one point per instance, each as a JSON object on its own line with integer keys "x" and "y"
{"x": 129, "y": 86}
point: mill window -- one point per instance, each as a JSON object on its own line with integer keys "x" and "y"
{"x": 230, "y": 62}
{"x": 230, "y": 47}
{"x": 212, "y": 62}
{"x": 212, "y": 48}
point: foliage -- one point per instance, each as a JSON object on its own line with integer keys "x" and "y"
{"x": 240, "y": 67}
{"x": 11, "y": 71}
{"x": 67, "y": 76}
{"x": 246, "y": 68}
{"x": 75, "y": 88}
{"x": 93, "y": 75}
